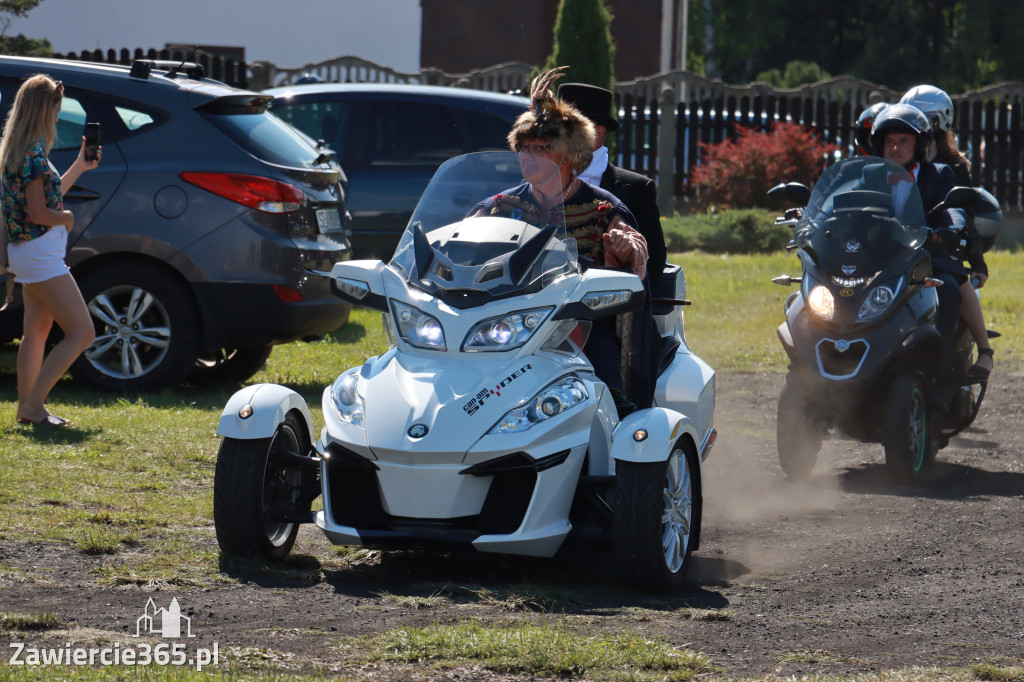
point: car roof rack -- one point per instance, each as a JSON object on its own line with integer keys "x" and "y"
{"x": 141, "y": 68}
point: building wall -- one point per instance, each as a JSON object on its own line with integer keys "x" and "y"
{"x": 461, "y": 35}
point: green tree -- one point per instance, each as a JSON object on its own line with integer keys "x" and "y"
{"x": 583, "y": 42}
{"x": 954, "y": 44}
{"x": 797, "y": 73}
{"x": 19, "y": 44}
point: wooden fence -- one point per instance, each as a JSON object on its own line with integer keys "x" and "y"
{"x": 706, "y": 111}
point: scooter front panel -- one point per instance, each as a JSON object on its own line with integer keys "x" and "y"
{"x": 421, "y": 412}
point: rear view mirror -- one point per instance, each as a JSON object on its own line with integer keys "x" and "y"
{"x": 795, "y": 192}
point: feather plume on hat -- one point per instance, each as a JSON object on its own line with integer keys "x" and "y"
{"x": 569, "y": 132}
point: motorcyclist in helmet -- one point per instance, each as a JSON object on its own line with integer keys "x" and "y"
{"x": 901, "y": 134}
{"x": 862, "y": 134}
{"x": 938, "y": 107}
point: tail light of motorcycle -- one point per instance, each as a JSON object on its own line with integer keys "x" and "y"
{"x": 262, "y": 194}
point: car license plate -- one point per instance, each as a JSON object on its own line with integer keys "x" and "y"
{"x": 328, "y": 220}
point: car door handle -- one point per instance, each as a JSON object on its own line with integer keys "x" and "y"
{"x": 79, "y": 194}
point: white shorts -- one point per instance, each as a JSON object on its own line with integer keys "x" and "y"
{"x": 39, "y": 259}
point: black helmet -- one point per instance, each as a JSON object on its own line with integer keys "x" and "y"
{"x": 902, "y": 118}
{"x": 862, "y": 134}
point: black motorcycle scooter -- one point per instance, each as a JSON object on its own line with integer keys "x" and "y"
{"x": 860, "y": 333}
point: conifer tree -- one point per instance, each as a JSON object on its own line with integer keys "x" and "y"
{"x": 583, "y": 42}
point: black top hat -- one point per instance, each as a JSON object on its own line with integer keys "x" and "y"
{"x": 593, "y": 102}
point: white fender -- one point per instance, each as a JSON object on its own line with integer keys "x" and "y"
{"x": 270, "y": 403}
{"x": 663, "y": 427}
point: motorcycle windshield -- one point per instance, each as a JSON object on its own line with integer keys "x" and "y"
{"x": 489, "y": 225}
{"x": 863, "y": 212}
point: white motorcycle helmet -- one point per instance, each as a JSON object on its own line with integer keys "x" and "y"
{"x": 934, "y": 103}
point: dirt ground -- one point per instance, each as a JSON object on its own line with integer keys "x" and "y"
{"x": 844, "y": 574}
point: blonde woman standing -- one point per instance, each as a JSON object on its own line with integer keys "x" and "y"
{"x": 35, "y": 242}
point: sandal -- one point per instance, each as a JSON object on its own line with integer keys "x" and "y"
{"x": 49, "y": 420}
{"x": 978, "y": 372}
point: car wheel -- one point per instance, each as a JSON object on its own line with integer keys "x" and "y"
{"x": 797, "y": 436}
{"x": 657, "y": 518}
{"x": 906, "y": 428}
{"x": 146, "y": 329}
{"x": 255, "y": 484}
{"x": 231, "y": 365}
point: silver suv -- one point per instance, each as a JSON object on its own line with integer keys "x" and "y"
{"x": 206, "y": 235}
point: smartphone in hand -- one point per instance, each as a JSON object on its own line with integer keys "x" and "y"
{"x": 92, "y": 141}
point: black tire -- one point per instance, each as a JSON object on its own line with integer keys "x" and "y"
{"x": 231, "y": 365}
{"x": 147, "y": 329}
{"x": 656, "y": 520}
{"x": 906, "y": 437}
{"x": 798, "y": 437}
{"x": 248, "y": 482}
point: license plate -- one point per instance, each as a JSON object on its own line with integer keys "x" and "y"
{"x": 328, "y": 220}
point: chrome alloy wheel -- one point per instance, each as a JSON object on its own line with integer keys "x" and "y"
{"x": 677, "y": 516}
{"x": 133, "y": 332}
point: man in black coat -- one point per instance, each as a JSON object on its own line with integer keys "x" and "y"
{"x": 638, "y": 192}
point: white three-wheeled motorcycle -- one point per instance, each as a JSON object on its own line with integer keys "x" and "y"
{"x": 483, "y": 425}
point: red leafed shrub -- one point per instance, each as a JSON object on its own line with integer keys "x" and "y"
{"x": 737, "y": 173}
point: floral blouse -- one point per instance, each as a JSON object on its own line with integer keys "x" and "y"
{"x": 19, "y": 227}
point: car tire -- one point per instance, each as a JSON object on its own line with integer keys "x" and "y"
{"x": 147, "y": 331}
{"x": 656, "y": 519}
{"x": 231, "y": 365}
{"x": 252, "y": 478}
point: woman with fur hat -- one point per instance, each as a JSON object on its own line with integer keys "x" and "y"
{"x": 602, "y": 226}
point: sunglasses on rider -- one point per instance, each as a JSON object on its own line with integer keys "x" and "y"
{"x": 534, "y": 149}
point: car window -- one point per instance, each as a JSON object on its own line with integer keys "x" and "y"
{"x": 413, "y": 135}
{"x": 320, "y": 120}
{"x": 134, "y": 119}
{"x": 70, "y": 124}
{"x": 487, "y": 131}
{"x": 266, "y": 137}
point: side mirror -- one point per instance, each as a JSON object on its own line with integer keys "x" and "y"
{"x": 795, "y": 192}
{"x": 961, "y": 197}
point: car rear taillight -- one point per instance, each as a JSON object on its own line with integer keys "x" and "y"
{"x": 288, "y": 294}
{"x": 263, "y": 194}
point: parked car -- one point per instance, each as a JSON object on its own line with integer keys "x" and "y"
{"x": 390, "y": 138}
{"x": 206, "y": 235}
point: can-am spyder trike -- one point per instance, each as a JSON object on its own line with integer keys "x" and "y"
{"x": 483, "y": 425}
{"x": 860, "y": 334}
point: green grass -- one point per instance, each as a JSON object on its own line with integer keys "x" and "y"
{"x": 555, "y": 650}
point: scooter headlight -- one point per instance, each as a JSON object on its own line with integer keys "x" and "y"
{"x": 418, "y": 328}
{"x": 555, "y": 399}
{"x": 345, "y": 398}
{"x": 877, "y": 302}
{"x": 505, "y": 332}
{"x": 821, "y": 302}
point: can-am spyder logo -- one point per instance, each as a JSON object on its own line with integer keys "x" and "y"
{"x": 477, "y": 401}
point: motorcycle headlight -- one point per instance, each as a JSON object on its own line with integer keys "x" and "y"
{"x": 555, "y": 399}
{"x": 417, "y": 327}
{"x": 821, "y": 302}
{"x": 345, "y": 398}
{"x": 878, "y": 301}
{"x": 505, "y": 332}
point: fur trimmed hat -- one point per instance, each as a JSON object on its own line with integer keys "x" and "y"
{"x": 569, "y": 132}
